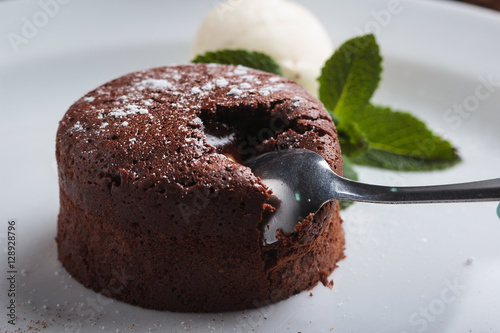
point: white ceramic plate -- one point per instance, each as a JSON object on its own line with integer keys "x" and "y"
{"x": 426, "y": 268}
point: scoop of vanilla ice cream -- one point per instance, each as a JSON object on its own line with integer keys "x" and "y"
{"x": 286, "y": 31}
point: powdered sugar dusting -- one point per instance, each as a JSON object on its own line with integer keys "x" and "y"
{"x": 129, "y": 109}
{"x": 267, "y": 90}
{"x": 235, "y": 92}
{"x": 155, "y": 84}
{"x": 240, "y": 70}
{"x": 245, "y": 85}
{"x": 77, "y": 127}
{"x": 221, "y": 83}
{"x": 248, "y": 77}
{"x": 195, "y": 90}
{"x": 196, "y": 122}
{"x": 296, "y": 101}
{"x": 208, "y": 86}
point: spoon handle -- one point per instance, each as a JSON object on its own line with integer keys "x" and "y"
{"x": 348, "y": 190}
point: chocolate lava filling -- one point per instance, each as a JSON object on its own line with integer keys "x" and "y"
{"x": 238, "y": 134}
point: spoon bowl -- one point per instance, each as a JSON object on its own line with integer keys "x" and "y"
{"x": 302, "y": 182}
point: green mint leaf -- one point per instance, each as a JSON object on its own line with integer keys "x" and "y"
{"x": 401, "y": 133}
{"x": 374, "y": 135}
{"x": 350, "y": 173}
{"x": 385, "y": 160}
{"x": 350, "y": 77}
{"x": 252, "y": 59}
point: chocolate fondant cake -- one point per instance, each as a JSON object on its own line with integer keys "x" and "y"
{"x": 157, "y": 206}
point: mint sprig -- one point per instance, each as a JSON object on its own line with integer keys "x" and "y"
{"x": 252, "y": 59}
{"x": 374, "y": 135}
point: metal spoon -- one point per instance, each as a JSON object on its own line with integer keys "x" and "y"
{"x": 303, "y": 182}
